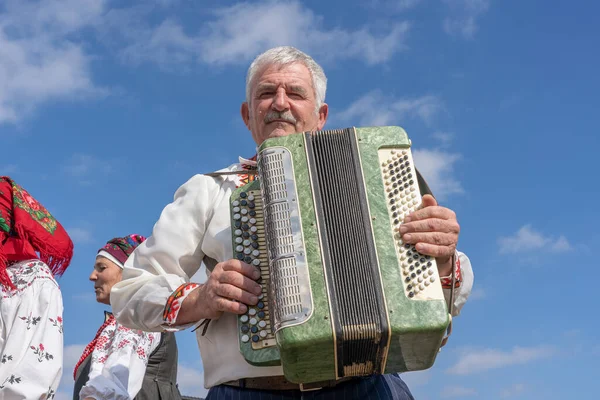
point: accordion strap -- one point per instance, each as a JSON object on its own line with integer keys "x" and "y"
{"x": 242, "y": 171}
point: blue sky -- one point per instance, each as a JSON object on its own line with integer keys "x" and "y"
{"x": 107, "y": 107}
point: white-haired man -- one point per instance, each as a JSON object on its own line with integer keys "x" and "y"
{"x": 285, "y": 94}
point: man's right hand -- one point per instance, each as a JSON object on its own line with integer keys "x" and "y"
{"x": 230, "y": 286}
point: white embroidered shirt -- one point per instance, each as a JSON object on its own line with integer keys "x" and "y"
{"x": 31, "y": 333}
{"x": 119, "y": 359}
{"x": 195, "y": 224}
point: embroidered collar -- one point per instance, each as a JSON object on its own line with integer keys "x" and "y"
{"x": 248, "y": 163}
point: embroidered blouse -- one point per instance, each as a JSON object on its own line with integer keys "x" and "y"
{"x": 31, "y": 333}
{"x": 119, "y": 360}
{"x": 156, "y": 278}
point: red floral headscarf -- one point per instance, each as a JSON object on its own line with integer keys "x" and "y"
{"x": 28, "y": 230}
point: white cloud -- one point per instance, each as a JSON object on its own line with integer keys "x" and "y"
{"x": 63, "y": 396}
{"x": 416, "y": 378}
{"x": 512, "y": 391}
{"x": 85, "y": 167}
{"x": 228, "y": 38}
{"x": 71, "y": 355}
{"x": 464, "y": 15}
{"x": 377, "y": 109}
{"x": 392, "y": 5}
{"x": 477, "y": 294}
{"x": 526, "y": 239}
{"x": 8, "y": 169}
{"x": 437, "y": 167}
{"x": 80, "y": 235}
{"x": 473, "y": 361}
{"x": 458, "y": 391}
{"x": 39, "y": 59}
{"x": 191, "y": 381}
{"x": 445, "y": 138}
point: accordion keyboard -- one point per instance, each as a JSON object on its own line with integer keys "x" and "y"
{"x": 419, "y": 271}
{"x": 250, "y": 247}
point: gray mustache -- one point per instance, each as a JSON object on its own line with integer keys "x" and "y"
{"x": 282, "y": 116}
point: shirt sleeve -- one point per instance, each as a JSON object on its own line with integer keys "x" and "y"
{"x": 460, "y": 294}
{"x": 32, "y": 357}
{"x": 117, "y": 370}
{"x": 167, "y": 260}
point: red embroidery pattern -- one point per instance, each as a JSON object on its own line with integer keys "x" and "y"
{"x": 41, "y": 352}
{"x": 175, "y": 301}
{"x": 90, "y": 347}
{"x": 23, "y": 274}
{"x": 244, "y": 179}
{"x": 447, "y": 281}
{"x": 110, "y": 335}
{"x": 58, "y": 322}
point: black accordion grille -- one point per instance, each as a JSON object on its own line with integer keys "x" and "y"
{"x": 351, "y": 267}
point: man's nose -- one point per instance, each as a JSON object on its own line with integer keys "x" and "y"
{"x": 280, "y": 102}
{"x": 93, "y": 276}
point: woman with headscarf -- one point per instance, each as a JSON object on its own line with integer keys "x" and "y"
{"x": 34, "y": 249}
{"x": 123, "y": 363}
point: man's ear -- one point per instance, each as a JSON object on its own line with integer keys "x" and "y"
{"x": 323, "y": 114}
{"x": 245, "y": 112}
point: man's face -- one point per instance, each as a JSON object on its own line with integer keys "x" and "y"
{"x": 282, "y": 101}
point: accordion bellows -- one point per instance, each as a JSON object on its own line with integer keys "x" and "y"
{"x": 342, "y": 295}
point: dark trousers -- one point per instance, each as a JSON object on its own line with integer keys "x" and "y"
{"x": 379, "y": 387}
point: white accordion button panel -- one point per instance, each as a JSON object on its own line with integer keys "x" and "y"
{"x": 419, "y": 272}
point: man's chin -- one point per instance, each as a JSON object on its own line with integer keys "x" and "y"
{"x": 280, "y": 132}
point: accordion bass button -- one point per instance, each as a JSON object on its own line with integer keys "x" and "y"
{"x": 244, "y": 318}
{"x": 245, "y": 338}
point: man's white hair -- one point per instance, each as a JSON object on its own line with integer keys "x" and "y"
{"x": 287, "y": 55}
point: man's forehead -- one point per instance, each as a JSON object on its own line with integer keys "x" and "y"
{"x": 293, "y": 73}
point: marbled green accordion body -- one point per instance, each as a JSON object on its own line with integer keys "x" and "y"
{"x": 342, "y": 295}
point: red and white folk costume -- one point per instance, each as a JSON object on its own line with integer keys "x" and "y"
{"x": 34, "y": 248}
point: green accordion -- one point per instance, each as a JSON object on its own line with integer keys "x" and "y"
{"x": 342, "y": 295}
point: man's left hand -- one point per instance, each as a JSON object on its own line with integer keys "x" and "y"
{"x": 434, "y": 232}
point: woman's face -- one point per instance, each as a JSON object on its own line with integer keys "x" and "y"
{"x": 105, "y": 274}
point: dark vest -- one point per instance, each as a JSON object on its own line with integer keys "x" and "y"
{"x": 160, "y": 380}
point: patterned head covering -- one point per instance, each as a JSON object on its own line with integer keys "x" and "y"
{"x": 28, "y": 230}
{"x": 119, "y": 249}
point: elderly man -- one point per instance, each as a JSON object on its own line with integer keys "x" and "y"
{"x": 285, "y": 93}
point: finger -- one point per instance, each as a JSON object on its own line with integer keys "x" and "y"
{"x": 437, "y": 238}
{"x": 235, "y": 293}
{"x": 241, "y": 267}
{"x": 230, "y": 306}
{"x": 430, "y": 225}
{"x": 430, "y": 212}
{"x": 243, "y": 282}
{"x": 428, "y": 201}
{"x": 435, "y": 250}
